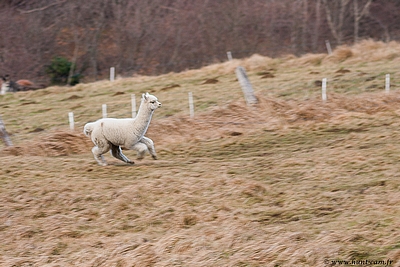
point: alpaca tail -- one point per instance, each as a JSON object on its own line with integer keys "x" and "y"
{"x": 87, "y": 130}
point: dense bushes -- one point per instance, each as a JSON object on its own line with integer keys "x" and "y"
{"x": 59, "y": 71}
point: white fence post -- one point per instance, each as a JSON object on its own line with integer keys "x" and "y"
{"x": 324, "y": 89}
{"x": 4, "y": 134}
{"x": 191, "y": 106}
{"x": 229, "y": 55}
{"x": 246, "y": 86}
{"x": 133, "y": 101}
{"x": 104, "y": 109}
{"x": 387, "y": 83}
{"x": 112, "y": 74}
{"x": 71, "y": 120}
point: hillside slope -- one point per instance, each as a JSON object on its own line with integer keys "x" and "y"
{"x": 291, "y": 181}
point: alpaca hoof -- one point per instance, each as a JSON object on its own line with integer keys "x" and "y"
{"x": 102, "y": 163}
{"x": 131, "y": 162}
{"x": 154, "y": 157}
{"x": 140, "y": 158}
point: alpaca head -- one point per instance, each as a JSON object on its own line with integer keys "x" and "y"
{"x": 6, "y": 78}
{"x": 151, "y": 101}
{"x": 6, "y": 84}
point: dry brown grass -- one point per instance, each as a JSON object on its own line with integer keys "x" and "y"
{"x": 289, "y": 182}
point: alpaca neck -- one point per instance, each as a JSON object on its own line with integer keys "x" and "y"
{"x": 143, "y": 118}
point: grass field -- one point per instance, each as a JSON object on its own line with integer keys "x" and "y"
{"x": 291, "y": 181}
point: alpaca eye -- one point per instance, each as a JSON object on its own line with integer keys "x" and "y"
{"x": 152, "y": 102}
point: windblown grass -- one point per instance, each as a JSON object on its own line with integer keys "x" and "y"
{"x": 289, "y": 182}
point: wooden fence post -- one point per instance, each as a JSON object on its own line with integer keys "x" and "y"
{"x": 328, "y": 47}
{"x": 246, "y": 86}
{"x": 229, "y": 55}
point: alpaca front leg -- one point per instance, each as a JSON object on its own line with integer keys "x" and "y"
{"x": 150, "y": 145}
{"x": 141, "y": 149}
{"x": 98, "y": 156}
{"x": 117, "y": 153}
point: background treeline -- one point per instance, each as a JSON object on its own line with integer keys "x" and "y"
{"x": 158, "y": 36}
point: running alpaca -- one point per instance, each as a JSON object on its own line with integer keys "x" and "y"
{"x": 112, "y": 134}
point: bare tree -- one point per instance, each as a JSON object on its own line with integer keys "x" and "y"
{"x": 335, "y": 15}
{"x": 317, "y": 25}
{"x": 158, "y": 36}
{"x": 304, "y": 27}
{"x": 385, "y": 14}
{"x": 358, "y": 15}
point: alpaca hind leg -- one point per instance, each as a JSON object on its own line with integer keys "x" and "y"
{"x": 117, "y": 153}
{"x": 150, "y": 145}
{"x": 98, "y": 155}
{"x": 102, "y": 146}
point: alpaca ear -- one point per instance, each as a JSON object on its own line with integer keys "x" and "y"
{"x": 144, "y": 96}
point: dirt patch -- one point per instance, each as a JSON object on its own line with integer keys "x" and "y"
{"x": 72, "y": 97}
{"x": 211, "y": 81}
{"x": 318, "y": 83}
{"x": 342, "y": 71}
{"x": 36, "y": 130}
{"x": 170, "y": 87}
{"x": 28, "y": 103}
{"x": 266, "y": 74}
{"x": 118, "y": 93}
